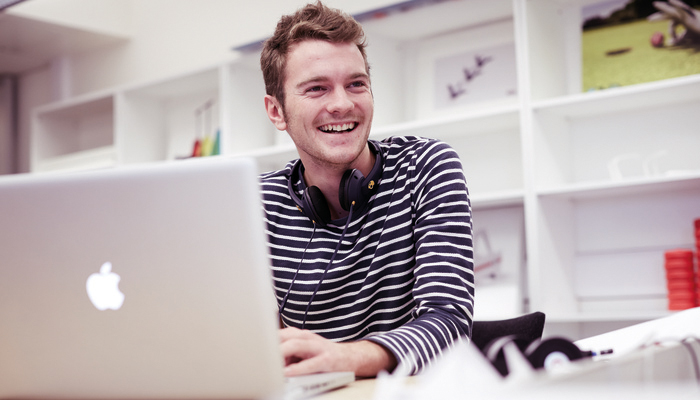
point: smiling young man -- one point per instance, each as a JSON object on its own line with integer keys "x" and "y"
{"x": 370, "y": 241}
{"x": 327, "y": 111}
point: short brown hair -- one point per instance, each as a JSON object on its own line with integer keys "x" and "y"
{"x": 314, "y": 21}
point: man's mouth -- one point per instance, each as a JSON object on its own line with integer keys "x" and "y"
{"x": 338, "y": 128}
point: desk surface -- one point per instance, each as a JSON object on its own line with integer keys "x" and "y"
{"x": 359, "y": 390}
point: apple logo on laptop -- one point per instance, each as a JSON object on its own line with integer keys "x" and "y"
{"x": 103, "y": 289}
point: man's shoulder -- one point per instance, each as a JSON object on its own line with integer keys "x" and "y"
{"x": 410, "y": 141}
{"x": 274, "y": 184}
{"x": 412, "y": 146}
{"x": 276, "y": 176}
{"x": 405, "y": 141}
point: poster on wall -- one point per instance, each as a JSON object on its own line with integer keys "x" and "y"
{"x": 475, "y": 76}
{"x": 625, "y": 42}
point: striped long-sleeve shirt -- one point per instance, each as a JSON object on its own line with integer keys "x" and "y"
{"x": 403, "y": 274}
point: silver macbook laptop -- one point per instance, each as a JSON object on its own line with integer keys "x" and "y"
{"x": 138, "y": 282}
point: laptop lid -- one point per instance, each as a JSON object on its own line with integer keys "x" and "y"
{"x": 197, "y": 317}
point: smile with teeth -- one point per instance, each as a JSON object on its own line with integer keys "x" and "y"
{"x": 347, "y": 127}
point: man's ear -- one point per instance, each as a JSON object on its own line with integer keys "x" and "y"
{"x": 275, "y": 113}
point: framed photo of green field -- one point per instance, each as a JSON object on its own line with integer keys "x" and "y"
{"x": 625, "y": 42}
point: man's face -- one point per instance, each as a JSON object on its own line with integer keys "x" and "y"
{"x": 328, "y": 102}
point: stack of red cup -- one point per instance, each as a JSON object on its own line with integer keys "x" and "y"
{"x": 680, "y": 279}
{"x": 697, "y": 256}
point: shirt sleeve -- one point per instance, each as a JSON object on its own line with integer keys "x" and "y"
{"x": 444, "y": 264}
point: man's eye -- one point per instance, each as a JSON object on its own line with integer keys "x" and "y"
{"x": 358, "y": 84}
{"x": 314, "y": 89}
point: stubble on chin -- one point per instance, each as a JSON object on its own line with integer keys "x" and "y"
{"x": 336, "y": 159}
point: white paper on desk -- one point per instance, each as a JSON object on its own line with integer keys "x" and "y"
{"x": 681, "y": 325}
{"x": 462, "y": 372}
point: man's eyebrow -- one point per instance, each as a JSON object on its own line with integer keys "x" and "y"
{"x": 360, "y": 75}
{"x": 315, "y": 79}
{"x": 318, "y": 79}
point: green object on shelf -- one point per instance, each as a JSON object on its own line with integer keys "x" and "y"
{"x": 216, "y": 150}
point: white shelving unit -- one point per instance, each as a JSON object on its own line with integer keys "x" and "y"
{"x": 601, "y": 183}
{"x": 612, "y": 178}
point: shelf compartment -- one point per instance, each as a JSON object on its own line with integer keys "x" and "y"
{"x": 73, "y": 127}
{"x": 605, "y": 250}
{"x": 159, "y": 121}
{"x": 499, "y": 262}
{"x": 631, "y": 134}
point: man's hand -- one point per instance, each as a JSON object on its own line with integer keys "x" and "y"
{"x": 306, "y": 352}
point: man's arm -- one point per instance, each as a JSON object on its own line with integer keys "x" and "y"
{"x": 443, "y": 290}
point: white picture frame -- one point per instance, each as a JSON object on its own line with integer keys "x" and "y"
{"x": 435, "y": 63}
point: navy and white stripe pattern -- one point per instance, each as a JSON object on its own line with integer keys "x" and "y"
{"x": 403, "y": 276}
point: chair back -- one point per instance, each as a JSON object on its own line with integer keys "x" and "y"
{"x": 528, "y": 327}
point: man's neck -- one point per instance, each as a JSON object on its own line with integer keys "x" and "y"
{"x": 327, "y": 178}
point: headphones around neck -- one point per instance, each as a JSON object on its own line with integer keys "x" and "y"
{"x": 354, "y": 187}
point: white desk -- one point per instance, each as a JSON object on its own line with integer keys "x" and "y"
{"x": 680, "y": 325}
{"x": 359, "y": 390}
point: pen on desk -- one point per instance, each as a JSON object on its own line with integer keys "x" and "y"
{"x": 591, "y": 353}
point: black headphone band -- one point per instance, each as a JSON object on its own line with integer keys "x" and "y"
{"x": 353, "y": 187}
{"x": 290, "y": 185}
{"x": 370, "y": 182}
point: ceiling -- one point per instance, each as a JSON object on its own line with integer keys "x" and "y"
{"x": 435, "y": 17}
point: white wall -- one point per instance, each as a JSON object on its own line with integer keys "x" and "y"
{"x": 166, "y": 37}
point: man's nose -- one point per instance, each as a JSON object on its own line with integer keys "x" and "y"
{"x": 340, "y": 102}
